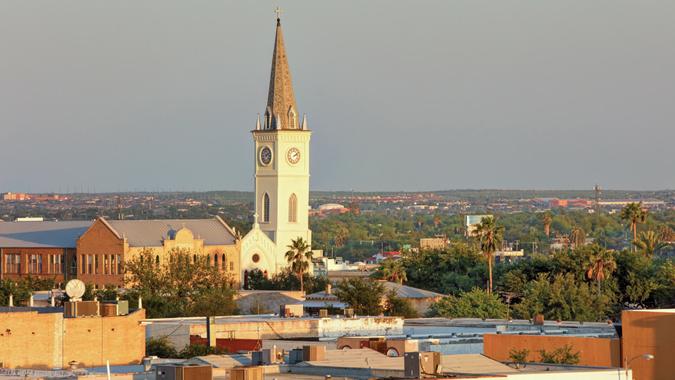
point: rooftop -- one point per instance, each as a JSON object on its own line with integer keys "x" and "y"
{"x": 41, "y": 234}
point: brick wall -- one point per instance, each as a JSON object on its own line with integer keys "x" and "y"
{"x": 46, "y": 341}
{"x": 98, "y": 242}
{"x": 48, "y": 270}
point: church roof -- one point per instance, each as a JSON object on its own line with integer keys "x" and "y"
{"x": 41, "y": 234}
{"x": 281, "y": 99}
{"x": 152, "y": 233}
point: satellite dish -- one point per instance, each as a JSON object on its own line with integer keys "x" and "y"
{"x": 75, "y": 289}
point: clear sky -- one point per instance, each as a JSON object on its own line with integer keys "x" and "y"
{"x": 401, "y": 95}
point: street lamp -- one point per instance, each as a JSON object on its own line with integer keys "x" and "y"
{"x": 643, "y": 356}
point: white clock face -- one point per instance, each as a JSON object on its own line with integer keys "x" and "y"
{"x": 265, "y": 156}
{"x": 293, "y": 155}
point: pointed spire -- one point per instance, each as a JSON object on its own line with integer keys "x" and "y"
{"x": 304, "y": 122}
{"x": 257, "y": 123}
{"x": 280, "y": 99}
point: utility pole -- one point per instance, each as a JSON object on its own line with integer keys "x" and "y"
{"x": 596, "y": 189}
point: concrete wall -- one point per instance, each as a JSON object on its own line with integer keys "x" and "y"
{"x": 337, "y": 327}
{"x": 649, "y": 332}
{"x": 179, "y": 331}
{"x": 598, "y": 352}
{"x": 46, "y": 341}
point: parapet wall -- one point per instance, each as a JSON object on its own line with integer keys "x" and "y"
{"x": 596, "y": 352}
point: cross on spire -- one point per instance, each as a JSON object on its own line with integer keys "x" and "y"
{"x": 278, "y": 13}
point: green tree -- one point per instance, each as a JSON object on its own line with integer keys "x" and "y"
{"x": 299, "y": 255}
{"x": 160, "y": 347}
{"x": 393, "y": 270}
{"x": 490, "y": 236}
{"x": 399, "y": 307}
{"x": 601, "y": 264}
{"x": 563, "y": 297}
{"x": 634, "y": 214}
{"x": 577, "y": 237}
{"x": 473, "y": 304}
{"x": 183, "y": 285}
{"x": 649, "y": 242}
{"x": 364, "y": 296}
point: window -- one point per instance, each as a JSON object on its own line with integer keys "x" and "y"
{"x": 83, "y": 264}
{"x": 50, "y": 263}
{"x": 106, "y": 268}
{"x": 96, "y": 261}
{"x": 293, "y": 209}
{"x": 90, "y": 264}
{"x": 119, "y": 264}
{"x": 62, "y": 263}
{"x": 157, "y": 260}
{"x": 13, "y": 263}
{"x": 215, "y": 261}
{"x": 223, "y": 263}
{"x": 266, "y": 208}
{"x": 255, "y": 258}
{"x": 35, "y": 264}
{"x": 231, "y": 265}
{"x": 112, "y": 264}
{"x": 194, "y": 259}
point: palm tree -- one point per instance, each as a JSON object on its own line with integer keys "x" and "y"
{"x": 490, "y": 236}
{"x": 393, "y": 270}
{"x": 600, "y": 264}
{"x": 299, "y": 255}
{"x": 649, "y": 242}
{"x": 635, "y": 214}
{"x": 547, "y": 220}
{"x": 577, "y": 237}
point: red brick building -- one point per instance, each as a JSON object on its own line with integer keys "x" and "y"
{"x": 40, "y": 249}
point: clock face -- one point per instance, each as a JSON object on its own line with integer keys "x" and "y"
{"x": 265, "y": 156}
{"x": 293, "y": 155}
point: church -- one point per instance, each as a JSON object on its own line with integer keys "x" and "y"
{"x": 96, "y": 251}
{"x": 281, "y": 155}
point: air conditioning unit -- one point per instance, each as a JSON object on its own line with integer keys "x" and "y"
{"x": 183, "y": 372}
{"x": 81, "y": 309}
{"x": 417, "y": 364}
{"x": 246, "y": 373}
{"x": 262, "y": 357}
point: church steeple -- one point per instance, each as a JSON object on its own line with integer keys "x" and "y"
{"x": 281, "y": 110}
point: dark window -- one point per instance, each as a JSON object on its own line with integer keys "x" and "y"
{"x": 266, "y": 208}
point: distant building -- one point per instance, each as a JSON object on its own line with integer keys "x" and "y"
{"x": 15, "y": 197}
{"x": 471, "y": 221}
{"x": 434, "y": 243}
{"x": 40, "y": 249}
{"x": 107, "y": 244}
{"x": 419, "y": 299}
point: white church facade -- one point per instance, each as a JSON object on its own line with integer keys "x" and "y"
{"x": 282, "y": 157}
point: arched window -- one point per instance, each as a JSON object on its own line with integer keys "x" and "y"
{"x": 215, "y": 261}
{"x": 157, "y": 260}
{"x": 266, "y": 208}
{"x": 194, "y": 259}
{"x": 223, "y": 263}
{"x": 293, "y": 209}
{"x": 292, "y": 119}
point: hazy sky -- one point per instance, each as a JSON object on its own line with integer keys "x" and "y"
{"x": 401, "y": 95}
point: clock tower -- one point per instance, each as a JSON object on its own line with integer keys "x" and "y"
{"x": 281, "y": 156}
